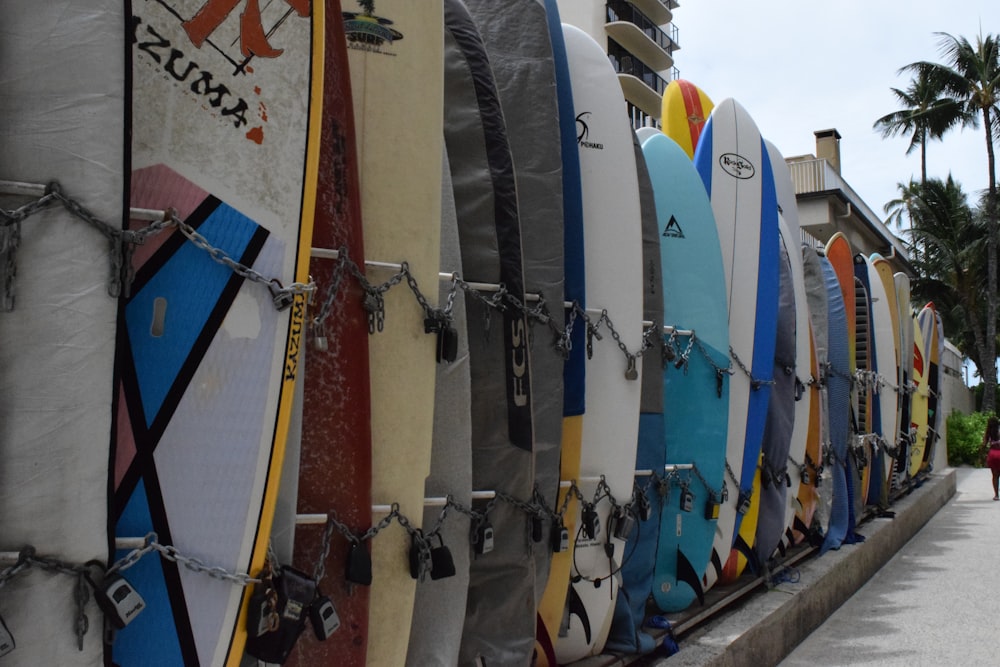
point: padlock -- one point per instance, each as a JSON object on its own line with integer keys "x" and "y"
{"x": 483, "y": 538}
{"x": 442, "y": 563}
{"x": 359, "y": 565}
{"x": 560, "y": 536}
{"x": 415, "y": 555}
{"x": 537, "y": 528}
{"x": 623, "y": 522}
{"x": 323, "y": 617}
{"x": 591, "y": 522}
{"x": 296, "y": 592}
{"x": 447, "y": 345}
{"x": 282, "y": 298}
{"x": 743, "y": 502}
{"x": 643, "y": 508}
{"x": 119, "y": 601}
{"x": 631, "y": 372}
{"x": 712, "y": 508}
{"x": 6, "y": 639}
{"x": 804, "y": 476}
{"x": 668, "y": 354}
{"x": 687, "y": 500}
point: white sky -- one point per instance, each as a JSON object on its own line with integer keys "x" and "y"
{"x": 799, "y": 65}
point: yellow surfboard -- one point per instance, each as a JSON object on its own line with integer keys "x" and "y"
{"x": 918, "y": 409}
{"x": 809, "y": 493}
{"x": 744, "y": 541}
{"x": 684, "y": 111}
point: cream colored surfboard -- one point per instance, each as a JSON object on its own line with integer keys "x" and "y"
{"x": 396, "y": 60}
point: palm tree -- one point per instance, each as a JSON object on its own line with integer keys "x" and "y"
{"x": 951, "y": 262}
{"x": 896, "y": 209}
{"x": 972, "y": 74}
{"x": 926, "y": 113}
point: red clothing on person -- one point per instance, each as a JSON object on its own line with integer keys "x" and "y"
{"x": 993, "y": 458}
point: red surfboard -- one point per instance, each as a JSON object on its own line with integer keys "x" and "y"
{"x": 335, "y": 469}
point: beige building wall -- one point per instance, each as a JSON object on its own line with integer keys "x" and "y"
{"x": 954, "y": 396}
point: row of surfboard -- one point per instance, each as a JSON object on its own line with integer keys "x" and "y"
{"x": 257, "y": 391}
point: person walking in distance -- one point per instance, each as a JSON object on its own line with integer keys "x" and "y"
{"x": 991, "y": 442}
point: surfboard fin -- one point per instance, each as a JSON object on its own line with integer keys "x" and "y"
{"x": 687, "y": 574}
{"x": 741, "y": 546}
{"x": 717, "y": 563}
{"x": 574, "y": 605}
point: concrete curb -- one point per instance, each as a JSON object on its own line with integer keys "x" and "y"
{"x": 765, "y": 629}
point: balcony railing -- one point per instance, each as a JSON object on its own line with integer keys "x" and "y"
{"x": 620, "y": 10}
{"x": 626, "y": 63}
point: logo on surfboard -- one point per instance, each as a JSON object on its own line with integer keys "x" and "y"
{"x": 673, "y": 229}
{"x": 737, "y": 166}
{"x": 368, "y": 32}
{"x": 583, "y": 132}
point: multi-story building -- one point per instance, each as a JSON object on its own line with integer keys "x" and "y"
{"x": 640, "y": 39}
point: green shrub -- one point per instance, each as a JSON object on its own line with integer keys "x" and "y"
{"x": 965, "y": 437}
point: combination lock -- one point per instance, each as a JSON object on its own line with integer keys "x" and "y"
{"x": 483, "y": 540}
{"x": 119, "y": 601}
{"x": 323, "y": 618}
{"x": 687, "y": 500}
{"x": 743, "y": 503}
{"x": 560, "y": 537}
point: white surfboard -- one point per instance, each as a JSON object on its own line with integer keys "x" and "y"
{"x": 613, "y": 259}
{"x": 733, "y": 163}
{"x": 62, "y": 116}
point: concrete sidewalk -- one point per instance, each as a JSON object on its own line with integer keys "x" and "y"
{"x": 935, "y": 601}
{"x": 930, "y": 581}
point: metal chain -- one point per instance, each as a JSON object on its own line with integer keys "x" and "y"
{"x": 755, "y": 383}
{"x": 171, "y": 553}
{"x": 701, "y": 478}
{"x": 283, "y": 297}
{"x": 122, "y": 244}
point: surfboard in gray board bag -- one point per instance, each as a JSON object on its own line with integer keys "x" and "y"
{"x": 780, "y": 420}
{"x": 516, "y": 35}
{"x": 499, "y": 620}
{"x": 816, "y": 298}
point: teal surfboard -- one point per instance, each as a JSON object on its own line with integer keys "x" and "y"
{"x": 696, "y": 396}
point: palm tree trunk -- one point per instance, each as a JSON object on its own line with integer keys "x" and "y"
{"x": 989, "y": 372}
{"x": 923, "y": 157}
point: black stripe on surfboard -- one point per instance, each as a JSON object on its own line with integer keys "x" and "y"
{"x": 174, "y": 242}
{"x": 171, "y": 572}
{"x": 507, "y": 223}
{"x": 687, "y": 574}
